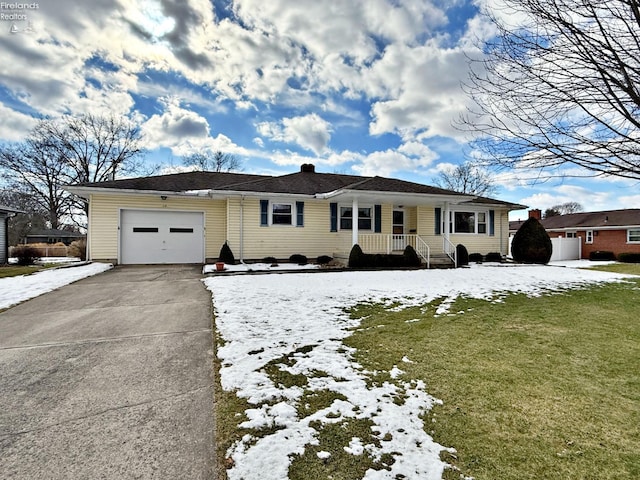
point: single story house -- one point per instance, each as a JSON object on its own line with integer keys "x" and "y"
{"x": 52, "y": 235}
{"x": 5, "y": 214}
{"x": 187, "y": 217}
{"x": 616, "y": 231}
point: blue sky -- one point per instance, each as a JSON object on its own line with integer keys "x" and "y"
{"x": 368, "y": 87}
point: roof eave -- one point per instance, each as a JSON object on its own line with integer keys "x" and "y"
{"x": 85, "y": 192}
{"x": 364, "y": 193}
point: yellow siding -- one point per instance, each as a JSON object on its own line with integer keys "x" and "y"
{"x": 387, "y": 219}
{"x": 104, "y": 218}
{"x": 281, "y": 241}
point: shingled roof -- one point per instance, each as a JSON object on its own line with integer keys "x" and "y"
{"x": 602, "y": 219}
{"x": 304, "y": 182}
{"x": 178, "y": 182}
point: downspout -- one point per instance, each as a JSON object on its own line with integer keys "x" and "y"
{"x": 241, "y": 228}
{"x": 354, "y": 222}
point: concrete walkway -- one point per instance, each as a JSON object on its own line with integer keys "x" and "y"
{"x": 110, "y": 378}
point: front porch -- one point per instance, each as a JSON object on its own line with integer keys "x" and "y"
{"x": 431, "y": 250}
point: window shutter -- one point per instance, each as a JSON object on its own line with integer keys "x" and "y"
{"x": 377, "y": 218}
{"x": 300, "y": 214}
{"x": 264, "y": 213}
{"x": 492, "y": 223}
{"x": 333, "y": 208}
{"x": 438, "y": 220}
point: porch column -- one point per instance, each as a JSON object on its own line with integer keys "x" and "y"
{"x": 354, "y": 226}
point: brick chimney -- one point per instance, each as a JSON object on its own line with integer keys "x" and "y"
{"x": 308, "y": 168}
{"x": 535, "y": 213}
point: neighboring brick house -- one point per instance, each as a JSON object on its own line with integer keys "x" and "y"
{"x": 616, "y": 231}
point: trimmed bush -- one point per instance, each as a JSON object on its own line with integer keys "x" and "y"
{"x": 323, "y": 259}
{"x": 629, "y": 257}
{"x": 299, "y": 259}
{"x": 601, "y": 255}
{"x": 462, "y": 255}
{"x": 26, "y": 255}
{"x": 493, "y": 257}
{"x": 531, "y": 243}
{"x": 78, "y": 248}
{"x": 475, "y": 257}
{"x": 356, "y": 257}
{"x": 226, "y": 255}
{"x": 411, "y": 258}
{"x": 270, "y": 260}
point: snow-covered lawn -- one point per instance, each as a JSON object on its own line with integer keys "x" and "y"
{"x": 265, "y": 318}
{"x": 14, "y": 290}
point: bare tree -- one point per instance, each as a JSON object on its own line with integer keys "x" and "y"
{"x": 217, "y": 161}
{"x": 466, "y": 178}
{"x": 33, "y": 218}
{"x": 563, "y": 209}
{"x": 70, "y": 150}
{"x": 560, "y": 86}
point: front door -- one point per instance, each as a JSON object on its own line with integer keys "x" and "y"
{"x": 399, "y": 242}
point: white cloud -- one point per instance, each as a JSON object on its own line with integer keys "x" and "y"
{"x": 184, "y": 132}
{"x": 311, "y": 132}
{"x": 15, "y": 125}
{"x": 385, "y": 163}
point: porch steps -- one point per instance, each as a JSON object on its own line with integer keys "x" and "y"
{"x": 440, "y": 260}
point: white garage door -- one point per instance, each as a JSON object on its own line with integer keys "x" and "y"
{"x": 151, "y": 236}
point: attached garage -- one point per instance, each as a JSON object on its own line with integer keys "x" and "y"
{"x": 161, "y": 236}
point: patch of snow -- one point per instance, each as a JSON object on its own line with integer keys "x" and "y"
{"x": 395, "y": 372}
{"x": 263, "y": 319}
{"x": 405, "y": 359}
{"x": 14, "y": 290}
{"x": 355, "y": 447}
{"x": 322, "y": 455}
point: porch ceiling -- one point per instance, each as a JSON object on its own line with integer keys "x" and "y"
{"x": 396, "y": 198}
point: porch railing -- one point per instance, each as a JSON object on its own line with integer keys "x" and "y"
{"x": 450, "y": 250}
{"x": 381, "y": 243}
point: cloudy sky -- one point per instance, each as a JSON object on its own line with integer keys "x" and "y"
{"x": 370, "y": 87}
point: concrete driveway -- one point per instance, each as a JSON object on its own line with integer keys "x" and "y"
{"x": 110, "y": 378}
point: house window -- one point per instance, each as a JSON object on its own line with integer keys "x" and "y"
{"x": 482, "y": 222}
{"x": 633, "y": 235}
{"x": 364, "y": 218}
{"x": 571, "y": 235}
{"x": 589, "y": 236}
{"x": 281, "y": 214}
{"x": 470, "y": 222}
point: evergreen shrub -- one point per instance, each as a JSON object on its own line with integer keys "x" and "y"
{"x": 226, "y": 255}
{"x": 411, "y": 258}
{"x": 475, "y": 257}
{"x": 493, "y": 257}
{"x": 323, "y": 259}
{"x": 601, "y": 255}
{"x": 462, "y": 255}
{"x": 531, "y": 243}
{"x": 629, "y": 257}
{"x": 299, "y": 259}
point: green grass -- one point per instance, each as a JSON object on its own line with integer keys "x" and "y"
{"x": 629, "y": 268}
{"x": 14, "y": 271}
{"x": 533, "y": 388}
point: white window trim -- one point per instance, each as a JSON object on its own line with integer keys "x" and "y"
{"x": 348, "y": 205}
{"x": 452, "y": 222}
{"x": 294, "y": 213}
{"x": 633, "y": 242}
{"x": 588, "y": 237}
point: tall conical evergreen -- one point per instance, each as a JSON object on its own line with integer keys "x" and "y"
{"x": 531, "y": 243}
